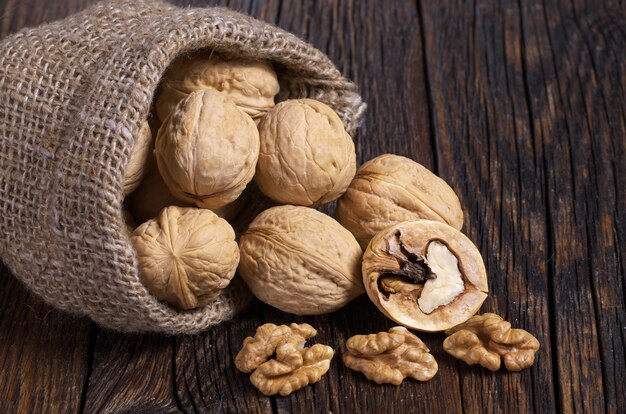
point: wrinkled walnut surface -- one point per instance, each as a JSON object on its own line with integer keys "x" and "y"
{"x": 306, "y": 158}
{"x": 295, "y": 366}
{"x": 186, "y": 256}
{"x": 256, "y": 350}
{"x": 250, "y": 85}
{"x": 390, "y": 357}
{"x": 292, "y": 369}
{"x": 400, "y": 268}
{"x": 300, "y": 261}
{"x": 138, "y": 162}
{"x": 207, "y": 150}
{"x": 390, "y": 189}
{"x": 486, "y": 339}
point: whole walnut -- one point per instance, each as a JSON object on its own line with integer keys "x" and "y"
{"x": 186, "y": 256}
{"x": 307, "y": 158}
{"x": 390, "y": 189}
{"x": 137, "y": 164}
{"x": 251, "y": 85}
{"x": 207, "y": 150}
{"x": 300, "y": 261}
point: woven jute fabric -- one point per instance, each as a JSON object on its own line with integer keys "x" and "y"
{"x": 72, "y": 96}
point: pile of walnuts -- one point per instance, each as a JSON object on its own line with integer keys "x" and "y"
{"x": 395, "y": 236}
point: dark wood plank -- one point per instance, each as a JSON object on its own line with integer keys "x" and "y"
{"x": 485, "y": 149}
{"x": 131, "y": 374}
{"x": 44, "y": 353}
{"x": 206, "y": 379}
{"x": 526, "y": 105}
{"x": 587, "y": 148}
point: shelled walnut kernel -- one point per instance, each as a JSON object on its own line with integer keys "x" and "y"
{"x": 390, "y": 357}
{"x": 485, "y": 339}
{"x": 295, "y": 366}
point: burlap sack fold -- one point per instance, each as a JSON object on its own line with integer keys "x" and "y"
{"x": 72, "y": 95}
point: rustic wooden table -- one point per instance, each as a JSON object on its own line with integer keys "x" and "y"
{"x": 521, "y": 107}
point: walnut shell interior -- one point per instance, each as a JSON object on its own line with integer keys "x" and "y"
{"x": 396, "y": 273}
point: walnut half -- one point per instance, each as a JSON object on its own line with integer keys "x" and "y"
{"x": 390, "y": 357}
{"x": 295, "y": 365}
{"x": 484, "y": 339}
{"x": 424, "y": 275}
{"x": 292, "y": 369}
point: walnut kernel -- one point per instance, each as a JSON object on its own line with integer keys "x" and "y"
{"x": 485, "y": 339}
{"x": 390, "y": 357}
{"x": 295, "y": 366}
{"x": 267, "y": 338}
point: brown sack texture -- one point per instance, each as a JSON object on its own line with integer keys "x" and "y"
{"x": 72, "y": 97}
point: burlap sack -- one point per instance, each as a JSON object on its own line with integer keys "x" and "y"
{"x": 72, "y": 95}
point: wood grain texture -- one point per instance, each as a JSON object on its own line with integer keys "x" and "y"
{"x": 44, "y": 354}
{"x": 521, "y": 107}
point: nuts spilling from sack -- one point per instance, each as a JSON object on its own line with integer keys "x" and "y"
{"x": 218, "y": 134}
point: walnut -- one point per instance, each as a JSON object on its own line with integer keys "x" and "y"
{"x": 390, "y": 357}
{"x": 424, "y": 275}
{"x": 250, "y": 85}
{"x": 137, "y": 164}
{"x": 207, "y": 150}
{"x": 294, "y": 367}
{"x": 391, "y": 189}
{"x": 267, "y": 338}
{"x": 300, "y": 261}
{"x": 186, "y": 256}
{"x": 486, "y": 338}
{"x": 307, "y": 158}
{"x": 152, "y": 196}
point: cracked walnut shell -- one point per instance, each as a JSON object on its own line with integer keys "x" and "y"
{"x": 390, "y": 357}
{"x": 186, "y": 256}
{"x": 250, "y": 85}
{"x": 295, "y": 366}
{"x": 390, "y": 189}
{"x": 424, "y": 275}
{"x": 307, "y": 158}
{"x": 487, "y": 338}
{"x": 300, "y": 261}
{"x": 207, "y": 150}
